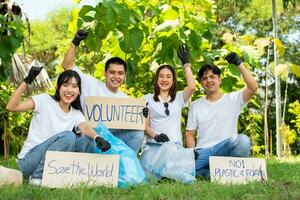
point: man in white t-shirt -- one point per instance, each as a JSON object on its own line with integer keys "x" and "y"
{"x": 215, "y": 117}
{"x": 115, "y": 74}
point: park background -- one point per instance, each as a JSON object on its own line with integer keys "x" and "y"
{"x": 147, "y": 34}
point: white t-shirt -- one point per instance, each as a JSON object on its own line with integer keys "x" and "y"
{"x": 47, "y": 121}
{"x": 91, "y": 86}
{"x": 160, "y": 122}
{"x": 215, "y": 121}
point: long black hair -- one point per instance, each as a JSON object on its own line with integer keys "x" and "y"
{"x": 64, "y": 78}
{"x": 173, "y": 89}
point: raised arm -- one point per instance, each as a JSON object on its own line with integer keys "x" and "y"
{"x": 184, "y": 55}
{"x": 15, "y": 104}
{"x": 251, "y": 84}
{"x": 69, "y": 58}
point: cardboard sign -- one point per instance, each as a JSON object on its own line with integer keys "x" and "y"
{"x": 237, "y": 170}
{"x": 116, "y": 113}
{"x": 69, "y": 169}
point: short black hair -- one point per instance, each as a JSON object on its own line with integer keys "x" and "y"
{"x": 207, "y": 67}
{"x": 115, "y": 60}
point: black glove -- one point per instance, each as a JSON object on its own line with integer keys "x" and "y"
{"x": 233, "y": 58}
{"x": 184, "y": 54}
{"x": 196, "y": 154}
{"x": 161, "y": 138}
{"x": 102, "y": 144}
{"x": 32, "y": 74}
{"x": 146, "y": 111}
{"x": 79, "y": 36}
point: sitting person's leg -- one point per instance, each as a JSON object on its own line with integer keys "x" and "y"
{"x": 236, "y": 146}
{"x": 241, "y": 146}
{"x": 202, "y": 162}
{"x": 33, "y": 162}
{"x": 84, "y": 144}
{"x": 133, "y": 138}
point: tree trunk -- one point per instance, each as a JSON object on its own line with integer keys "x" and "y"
{"x": 6, "y": 139}
{"x": 277, "y": 86}
{"x": 266, "y": 129}
{"x": 286, "y": 151}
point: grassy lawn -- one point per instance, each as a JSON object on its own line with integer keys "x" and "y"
{"x": 283, "y": 183}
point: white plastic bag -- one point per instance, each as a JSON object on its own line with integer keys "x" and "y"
{"x": 173, "y": 161}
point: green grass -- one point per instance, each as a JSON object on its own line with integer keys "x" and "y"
{"x": 283, "y": 183}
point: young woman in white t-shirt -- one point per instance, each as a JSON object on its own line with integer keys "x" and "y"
{"x": 52, "y": 123}
{"x": 164, "y": 106}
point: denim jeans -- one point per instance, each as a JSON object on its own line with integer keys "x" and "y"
{"x": 133, "y": 138}
{"x": 33, "y": 162}
{"x": 237, "y": 146}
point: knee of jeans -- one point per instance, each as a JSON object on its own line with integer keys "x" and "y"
{"x": 69, "y": 138}
{"x": 244, "y": 145}
{"x": 244, "y": 140}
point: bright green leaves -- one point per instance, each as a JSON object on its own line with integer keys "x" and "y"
{"x": 11, "y": 37}
{"x": 131, "y": 40}
{"x": 251, "y": 55}
{"x": 110, "y": 16}
{"x": 147, "y": 33}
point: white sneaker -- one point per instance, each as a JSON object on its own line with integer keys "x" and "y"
{"x": 34, "y": 181}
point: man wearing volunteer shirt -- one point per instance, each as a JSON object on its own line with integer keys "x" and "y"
{"x": 115, "y": 74}
{"x": 215, "y": 117}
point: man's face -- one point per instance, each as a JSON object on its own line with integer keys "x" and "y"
{"x": 210, "y": 82}
{"x": 115, "y": 76}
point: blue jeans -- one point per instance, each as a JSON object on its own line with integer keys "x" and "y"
{"x": 33, "y": 162}
{"x": 238, "y": 146}
{"x": 133, "y": 138}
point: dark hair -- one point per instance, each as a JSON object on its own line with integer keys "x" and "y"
{"x": 64, "y": 78}
{"x": 215, "y": 70}
{"x": 173, "y": 89}
{"x": 115, "y": 60}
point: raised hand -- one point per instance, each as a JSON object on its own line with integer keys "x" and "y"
{"x": 161, "y": 138}
{"x": 79, "y": 36}
{"x": 233, "y": 58}
{"x": 32, "y": 74}
{"x": 183, "y": 53}
{"x": 102, "y": 144}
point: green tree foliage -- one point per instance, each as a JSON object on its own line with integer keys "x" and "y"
{"x": 11, "y": 37}
{"x": 46, "y": 36}
{"x": 147, "y": 34}
{"x": 295, "y": 110}
{"x": 17, "y": 123}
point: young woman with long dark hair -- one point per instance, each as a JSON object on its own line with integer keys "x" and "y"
{"x": 52, "y": 123}
{"x": 164, "y": 120}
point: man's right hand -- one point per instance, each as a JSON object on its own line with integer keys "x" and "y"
{"x": 233, "y": 58}
{"x": 32, "y": 74}
{"x": 102, "y": 144}
{"x": 161, "y": 138}
{"x": 79, "y": 36}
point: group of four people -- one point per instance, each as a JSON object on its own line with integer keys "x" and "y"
{"x": 214, "y": 116}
